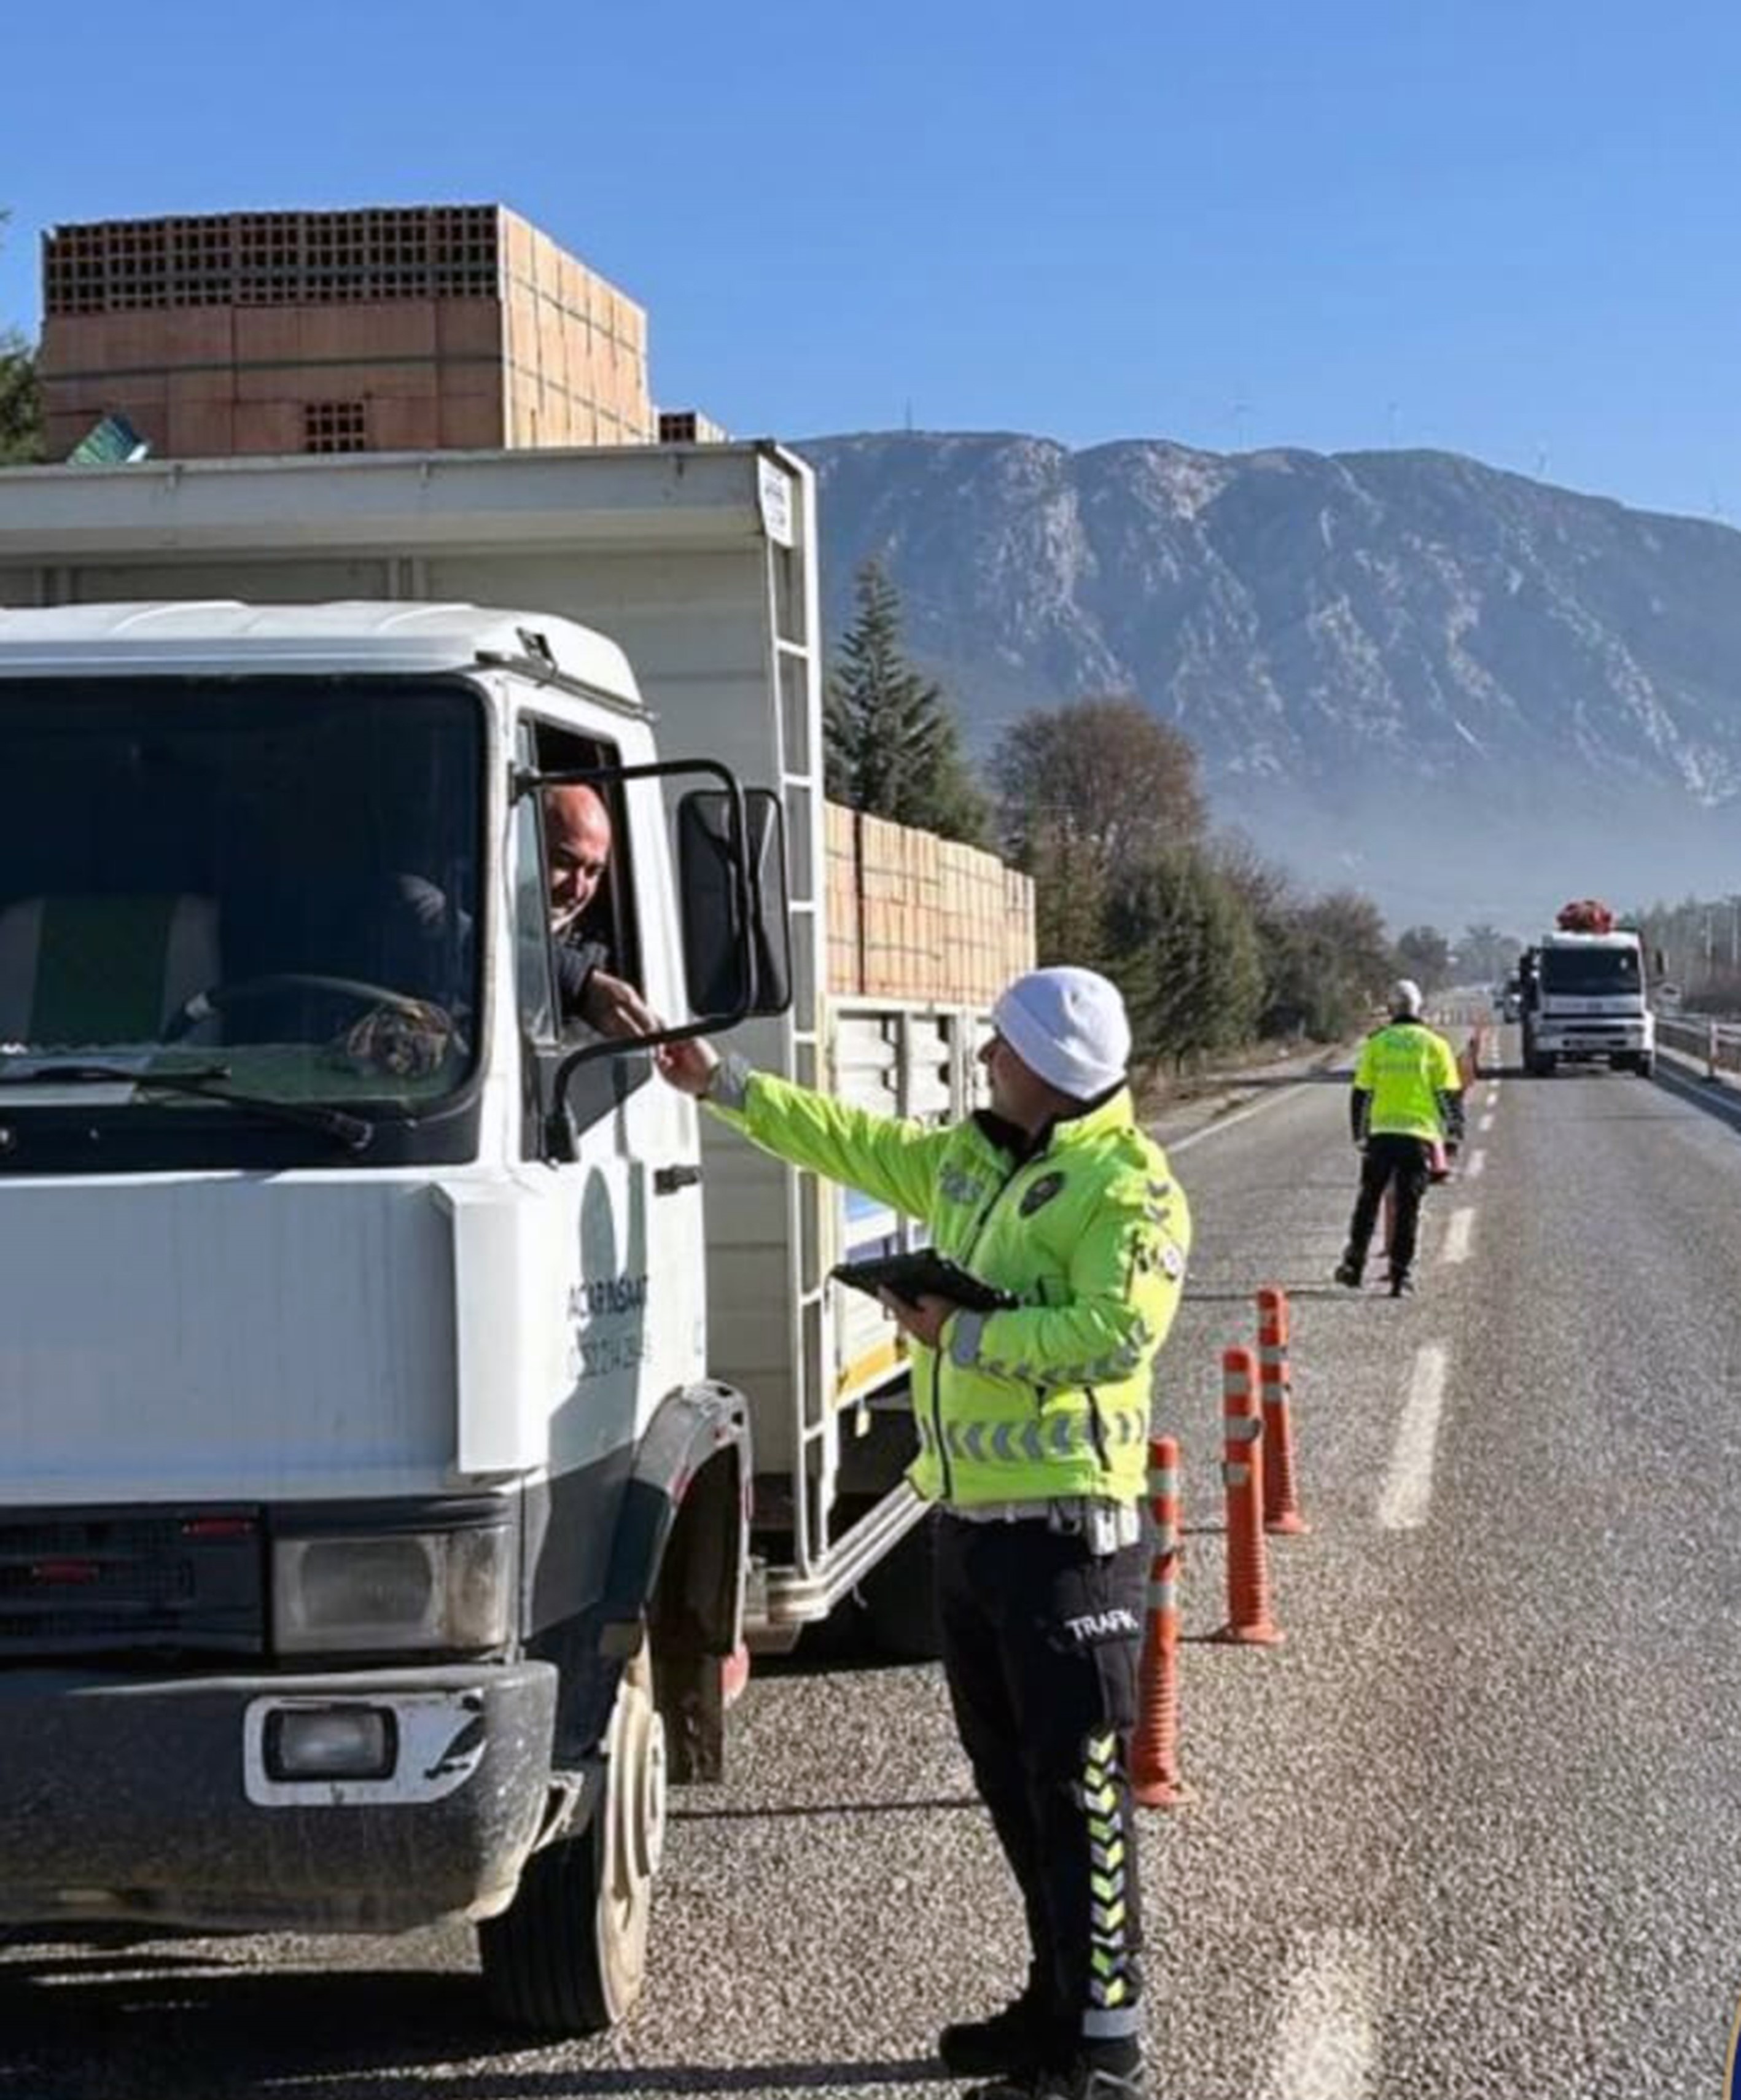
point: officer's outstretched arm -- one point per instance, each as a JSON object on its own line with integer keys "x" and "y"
{"x": 895, "y": 1162}
{"x": 1125, "y": 1277}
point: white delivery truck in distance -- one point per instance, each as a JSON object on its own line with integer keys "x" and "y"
{"x": 397, "y": 1451}
{"x": 1584, "y": 994}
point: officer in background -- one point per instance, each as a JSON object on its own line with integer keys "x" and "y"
{"x": 1033, "y": 1426}
{"x": 1407, "y": 1098}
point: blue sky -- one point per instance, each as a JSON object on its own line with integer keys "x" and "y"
{"x": 1508, "y": 230}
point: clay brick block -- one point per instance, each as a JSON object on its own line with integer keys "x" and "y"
{"x": 267, "y": 335}
{"x": 407, "y": 381}
{"x": 201, "y": 384}
{"x": 199, "y": 430}
{"x": 468, "y": 328}
{"x": 517, "y": 237}
{"x": 196, "y": 335}
{"x": 405, "y": 424}
{"x": 384, "y": 328}
{"x": 469, "y": 382}
{"x": 470, "y": 423}
{"x": 268, "y": 427}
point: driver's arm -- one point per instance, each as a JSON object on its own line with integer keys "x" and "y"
{"x": 615, "y": 1008}
{"x": 589, "y": 992}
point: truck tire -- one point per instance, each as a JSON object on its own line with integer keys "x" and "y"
{"x": 1541, "y": 1065}
{"x": 899, "y": 1598}
{"x": 568, "y": 1956}
{"x": 1645, "y": 1065}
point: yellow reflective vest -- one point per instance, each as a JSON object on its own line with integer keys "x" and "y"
{"x": 1088, "y": 1230}
{"x": 1405, "y": 1067}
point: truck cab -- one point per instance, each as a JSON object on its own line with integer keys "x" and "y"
{"x": 1584, "y": 1000}
{"x": 374, "y": 1536}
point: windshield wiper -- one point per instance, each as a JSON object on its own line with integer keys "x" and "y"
{"x": 353, "y": 1132}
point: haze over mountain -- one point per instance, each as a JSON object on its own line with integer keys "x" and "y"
{"x": 1470, "y": 693}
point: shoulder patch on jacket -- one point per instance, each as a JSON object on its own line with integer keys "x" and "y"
{"x": 955, "y": 1185}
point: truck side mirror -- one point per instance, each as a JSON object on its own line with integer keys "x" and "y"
{"x": 737, "y": 936}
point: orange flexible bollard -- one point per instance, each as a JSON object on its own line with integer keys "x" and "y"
{"x": 1154, "y": 1780}
{"x": 1248, "y": 1619}
{"x": 1281, "y": 1507}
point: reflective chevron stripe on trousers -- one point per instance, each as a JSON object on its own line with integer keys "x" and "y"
{"x": 1041, "y": 1643}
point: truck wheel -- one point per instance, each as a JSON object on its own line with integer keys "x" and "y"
{"x": 899, "y": 1597}
{"x": 1646, "y": 1064}
{"x": 1541, "y": 1066}
{"x": 569, "y": 1954}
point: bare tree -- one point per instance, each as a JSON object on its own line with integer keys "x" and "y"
{"x": 1101, "y": 776}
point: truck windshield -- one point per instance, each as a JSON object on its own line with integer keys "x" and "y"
{"x": 284, "y": 870}
{"x": 1599, "y": 973}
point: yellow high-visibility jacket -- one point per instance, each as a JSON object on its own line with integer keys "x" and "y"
{"x": 1088, "y": 1229}
{"x": 1411, "y": 1084}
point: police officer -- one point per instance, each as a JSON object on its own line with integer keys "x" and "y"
{"x": 1406, "y": 1097}
{"x": 1033, "y": 1426}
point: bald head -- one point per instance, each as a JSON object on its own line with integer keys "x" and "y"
{"x": 577, "y": 839}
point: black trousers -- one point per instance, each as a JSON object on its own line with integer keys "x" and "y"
{"x": 1403, "y": 1161}
{"x": 1042, "y": 1645}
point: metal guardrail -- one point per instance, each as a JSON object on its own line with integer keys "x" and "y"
{"x": 1694, "y": 1035}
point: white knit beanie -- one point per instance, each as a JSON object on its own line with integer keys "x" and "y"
{"x": 1068, "y": 1026}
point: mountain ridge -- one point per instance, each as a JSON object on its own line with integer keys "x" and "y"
{"x": 1380, "y": 656}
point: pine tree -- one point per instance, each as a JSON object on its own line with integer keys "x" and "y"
{"x": 20, "y": 401}
{"x": 891, "y": 747}
{"x": 1184, "y": 953}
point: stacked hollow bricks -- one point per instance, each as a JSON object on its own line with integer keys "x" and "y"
{"x": 335, "y": 331}
{"x": 913, "y": 916}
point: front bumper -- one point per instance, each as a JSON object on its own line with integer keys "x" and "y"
{"x": 148, "y": 1800}
{"x": 1604, "y": 1040}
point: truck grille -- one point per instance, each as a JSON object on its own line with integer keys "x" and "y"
{"x": 97, "y": 1581}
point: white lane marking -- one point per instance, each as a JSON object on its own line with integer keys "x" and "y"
{"x": 1486, "y": 1124}
{"x": 1477, "y": 1162}
{"x": 1457, "y": 1234}
{"x": 1493, "y": 1097}
{"x": 1326, "y": 2045}
{"x": 1409, "y": 1485}
{"x": 1227, "y": 1123}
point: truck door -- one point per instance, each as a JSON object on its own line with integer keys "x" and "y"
{"x": 627, "y": 1210}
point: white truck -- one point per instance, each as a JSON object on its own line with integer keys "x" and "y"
{"x": 1583, "y": 996}
{"x": 396, "y": 1458}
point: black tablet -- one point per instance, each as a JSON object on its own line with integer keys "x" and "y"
{"x": 924, "y": 1273}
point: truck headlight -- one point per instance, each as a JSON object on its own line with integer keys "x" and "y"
{"x": 393, "y": 1590}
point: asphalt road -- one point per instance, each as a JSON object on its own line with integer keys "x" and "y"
{"x": 1474, "y": 1830}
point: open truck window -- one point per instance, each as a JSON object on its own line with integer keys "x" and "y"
{"x": 551, "y": 959}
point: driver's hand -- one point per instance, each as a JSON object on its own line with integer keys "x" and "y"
{"x": 615, "y": 1008}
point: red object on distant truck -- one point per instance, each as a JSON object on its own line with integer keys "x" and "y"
{"x": 1588, "y": 915}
